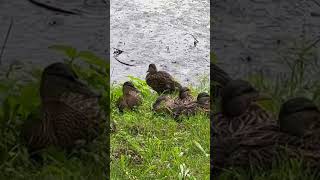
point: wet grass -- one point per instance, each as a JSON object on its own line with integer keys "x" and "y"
{"x": 154, "y": 146}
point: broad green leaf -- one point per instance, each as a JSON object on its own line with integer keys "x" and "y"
{"x": 67, "y": 50}
{"x": 213, "y": 57}
{"x": 201, "y": 148}
{"x": 91, "y": 58}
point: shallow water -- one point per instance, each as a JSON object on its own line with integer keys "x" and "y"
{"x": 255, "y": 35}
{"x": 160, "y": 32}
{"x": 35, "y": 28}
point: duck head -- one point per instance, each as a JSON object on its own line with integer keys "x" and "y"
{"x": 129, "y": 87}
{"x": 298, "y": 115}
{"x": 237, "y": 96}
{"x": 152, "y": 68}
{"x": 184, "y": 93}
{"x": 58, "y": 78}
{"x": 59, "y": 70}
{"x": 203, "y": 98}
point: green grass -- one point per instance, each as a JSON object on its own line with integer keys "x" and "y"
{"x": 19, "y": 96}
{"x": 154, "y": 146}
{"x": 285, "y": 170}
{"x": 299, "y": 81}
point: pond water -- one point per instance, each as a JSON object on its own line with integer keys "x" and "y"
{"x": 163, "y": 32}
{"x": 148, "y": 31}
{"x": 255, "y": 35}
{"x": 248, "y": 35}
{"x": 35, "y": 28}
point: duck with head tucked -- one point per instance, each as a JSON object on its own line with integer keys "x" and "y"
{"x": 69, "y": 113}
{"x": 297, "y": 135}
{"x": 161, "y": 81}
{"x": 239, "y": 109}
{"x": 202, "y": 104}
{"x": 131, "y": 97}
{"x": 166, "y": 103}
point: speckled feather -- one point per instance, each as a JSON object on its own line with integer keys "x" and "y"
{"x": 255, "y": 115}
{"x": 162, "y": 81}
{"x": 69, "y": 111}
{"x": 130, "y": 99}
{"x": 261, "y": 146}
{"x": 167, "y": 104}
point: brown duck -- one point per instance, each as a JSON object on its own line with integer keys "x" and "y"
{"x": 69, "y": 112}
{"x": 161, "y": 81}
{"x": 167, "y": 104}
{"x": 219, "y": 79}
{"x": 131, "y": 97}
{"x": 263, "y": 144}
{"x": 239, "y": 109}
{"x": 202, "y": 104}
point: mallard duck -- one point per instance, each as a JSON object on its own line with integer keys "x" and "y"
{"x": 259, "y": 146}
{"x": 203, "y": 101}
{"x": 239, "y": 109}
{"x": 220, "y": 78}
{"x": 131, "y": 97}
{"x": 293, "y": 111}
{"x": 69, "y": 112}
{"x": 161, "y": 81}
{"x": 202, "y": 104}
{"x": 167, "y": 104}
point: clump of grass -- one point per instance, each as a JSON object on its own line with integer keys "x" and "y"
{"x": 19, "y": 97}
{"x": 155, "y": 146}
{"x": 292, "y": 169}
{"x": 300, "y": 80}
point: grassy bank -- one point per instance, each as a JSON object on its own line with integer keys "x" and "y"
{"x": 154, "y": 146}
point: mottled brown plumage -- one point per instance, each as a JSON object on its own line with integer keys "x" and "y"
{"x": 69, "y": 111}
{"x": 297, "y": 115}
{"x": 161, "y": 81}
{"x": 185, "y": 96}
{"x": 166, "y": 103}
{"x": 219, "y": 79}
{"x": 262, "y": 144}
{"x": 239, "y": 110}
{"x": 202, "y": 104}
{"x": 130, "y": 97}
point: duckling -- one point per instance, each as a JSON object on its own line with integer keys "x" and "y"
{"x": 298, "y": 108}
{"x": 161, "y": 81}
{"x": 166, "y": 104}
{"x": 261, "y": 145}
{"x": 131, "y": 97}
{"x": 202, "y": 104}
{"x": 203, "y": 101}
{"x": 69, "y": 111}
{"x": 185, "y": 96}
{"x": 238, "y": 109}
